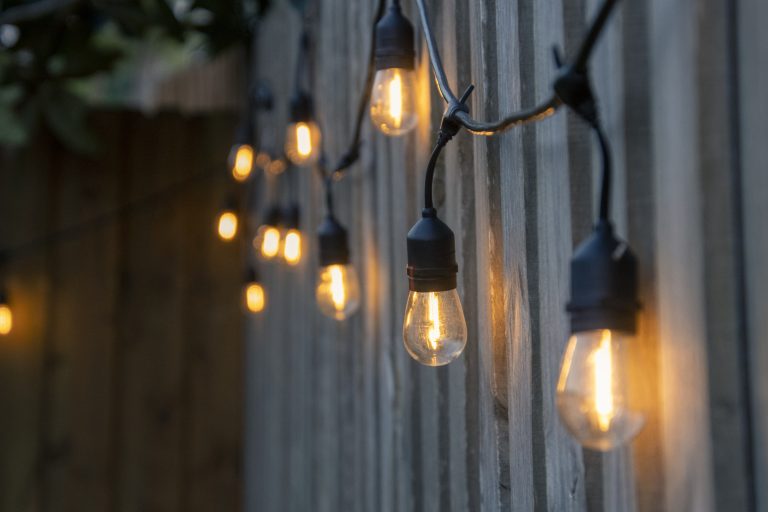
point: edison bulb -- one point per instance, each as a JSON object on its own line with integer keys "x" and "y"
{"x": 434, "y": 330}
{"x": 302, "y": 142}
{"x": 393, "y": 101}
{"x": 6, "y": 319}
{"x": 241, "y": 161}
{"x": 227, "y": 225}
{"x": 255, "y": 299}
{"x": 338, "y": 291}
{"x": 592, "y": 390}
{"x": 292, "y": 247}
{"x": 268, "y": 241}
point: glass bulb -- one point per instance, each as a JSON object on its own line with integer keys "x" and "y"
{"x": 268, "y": 241}
{"x": 434, "y": 330}
{"x": 241, "y": 161}
{"x": 393, "y": 101}
{"x": 255, "y": 299}
{"x": 592, "y": 390}
{"x": 302, "y": 142}
{"x": 292, "y": 247}
{"x": 6, "y": 319}
{"x": 227, "y": 225}
{"x": 338, "y": 291}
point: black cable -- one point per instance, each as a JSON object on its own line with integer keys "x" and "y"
{"x": 605, "y": 186}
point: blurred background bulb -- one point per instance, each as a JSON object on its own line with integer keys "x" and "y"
{"x": 292, "y": 247}
{"x": 338, "y": 291}
{"x": 592, "y": 390}
{"x": 393, "y": 101}
{"x": 241, "y": 161}
{"x": 255, "y": 299}
{"x": 227, "y": 225}
{"x": 6, "y": 319}
{"x": 302, "y": 142}
{"x": 434, "y": 330}
{"x": 268, "y": 241}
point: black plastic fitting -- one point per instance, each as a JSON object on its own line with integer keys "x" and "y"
{"x": 332, "y": 242}
{"x": 431, "y": 255}
{"x": 603, "y": 283}
{"x": 394, "y": 41}
{"x": 273, "y": 217}
{"x": 302, "y": 108}
{"x": 292, "y": 216}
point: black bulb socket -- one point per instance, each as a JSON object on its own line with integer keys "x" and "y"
{"x": 302, "y": 108}
{"x": 431, "y": 255}
{"x": 251, "y": 275}
{"x": 245, "y": 133}
{"x": 292, "y": 217}
{"x": 274, "y": 217}
{"x": 603, "y": 283}
{"x": 394, "y": 41}
{"x": 3, "y": 298}
{"x": 333, "y": 243}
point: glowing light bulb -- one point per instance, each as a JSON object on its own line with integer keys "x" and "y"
{"x": 227, "y": 225}
{"x": 302, "y": 142}
{"x": 241, "y": 161}
{"x": 292, "y": 247}
{"x": 338, "y": 291}
{"x": 592, "y": 390}
{"x": 434, "y": 331}
{"x": 255, "y": 298}
{"x": 269, "y": 245}
{"x": 6, "y": 319}
{"x": 393, "y": 101}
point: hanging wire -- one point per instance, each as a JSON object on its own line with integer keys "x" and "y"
{"x": 536, "y": 113}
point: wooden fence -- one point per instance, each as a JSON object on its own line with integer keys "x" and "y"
{"x": 122, "y": 380}
{"x": 338, "y": 416}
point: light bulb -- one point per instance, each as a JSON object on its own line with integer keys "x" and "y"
{"x": 292, "y": 247}
{"x": 434, "y": 330}
{"x": 592, "y": 390}
{"x": 393, "y": 101}
{"x": 338, "y": 291}
{"x": 227, "y": 225}
{"x": 302, "y": 142}
{"x": 241, "y": 161}
{"x": 6, "y": 319}
{"x": 268, "y": 241}
{"x": 255, "y": 299}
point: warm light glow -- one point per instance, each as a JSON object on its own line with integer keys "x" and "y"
{"x": 592, "y": 390}
{"x": 603, "y": 382}
{"x": 303, "y": 139}
{"x": 242, "y": 164}
{"x": 227, "y": 225}
{"x": 393, "y": 101}
{"x": 292, "y": 247}
{"x": 263, "y": 159}
{"x": 6, "y": 319}
{"x": 396, "y": 100}
{"x": 270, "y": 241}
{"x": 338, "y": 295}
{"x": 302, "y": 142}
{"x": 434, "y": 319}
{"x": 434, "y": 330}
{"x": 276, "y": 166}
{"x": 338, "y": 291}
{"x": 255, "y": 299}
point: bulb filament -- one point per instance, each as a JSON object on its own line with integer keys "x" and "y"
{"x": 227, "y": 225}
{"x": 243, "y": 162}
{"x": 292, "y": 248}
{"x": 303, "y": 139}
{"x": 338, "y": 295}
{"x": 434, "y": 319}
{"x": 604, "y": 406}
{"x": 396, "y": 100}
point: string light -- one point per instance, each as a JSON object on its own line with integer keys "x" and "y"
{"x": 254, "y": 296}
{"x": 241, "y": 161}
{"x": 6, "y": 315}
{"x": 268, "y": 237}
{"x": 227, "y": 222}
{"x": 302, "y": 137}
{"x": 338, "y": 289}
{"x": 292, "y": 240}
{"x": 393, "y": 98}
